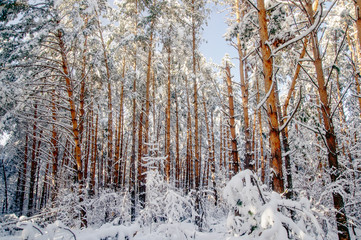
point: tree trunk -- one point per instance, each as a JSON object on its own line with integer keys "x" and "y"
{"x": 94, "y": 153}
{"x": 141, "y": 165}
{"x": 331, "y": 143}
{"x": 147, "y": 93}
{"x": 232, "y": 124}
{"x": 209, "y": 140}
{"x": 221, "y": 143}
{"x": 82, "y": 85}
{"x": 260, "y": 129}
{"x": 121, "y": 112}
{"x": 45, "y": 187}
{"x": 189, "y": 171}
{"x": 213, "y": 163}
{"x": 132, "y": 184}
{"x": 358, "y": 23}
{"x": 274, "y": 135}
{"x": 244, "y": 89}
{"x": 356, "y": 62}
{"x": 177, "y": 160}
{"x": 23, "y": 175}
{"x": 195, "y": 105}
{"x": 5, "y": 208}
{"x": 75, "y": 125}
{"x": 33, "y": 166}
{"x": 55, "y": 152}
{"x": 108, "y": 180}
{"x": 167, "y": 129}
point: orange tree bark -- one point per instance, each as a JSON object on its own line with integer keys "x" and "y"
{"x": 232, "y": 124}
{"x": 195, "y": 103}
{"x": 177, "y": 160}
{"x": 244, "y": 89}
{"x": 33, "y": 165}
{"x": 274, "y": 135}
{"x": 141, "y": 174}
{"x": 358, "y": 27}
{"x": 330, "y": 135}
{"x": 74, "y": 120}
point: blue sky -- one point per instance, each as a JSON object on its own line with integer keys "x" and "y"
{"x": 215, "y": 46}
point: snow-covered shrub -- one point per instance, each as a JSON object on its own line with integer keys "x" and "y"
{"x": 108, "y": 206}
{"x": 10, "y": 227}
{"x": 105, "y": 207}
{"x": 68, "y": 209}
{"x": 164, "y": 204}
{"x": 260, "y": 214}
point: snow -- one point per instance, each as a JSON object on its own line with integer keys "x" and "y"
{"x": 4, "y": 137}
{"x": 255, "y": 212}
{"x": 259, "y": 213}
{"x": 174, "y": 231}
{"x": 265, "y": 97}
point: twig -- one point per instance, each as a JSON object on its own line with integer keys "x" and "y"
{"x": 259, "y": 190}
{"x": 69, "y": 231}
{"x": 293, "y": 113}
{"x": 341, "y": 98}
{"x": 250, "y": 2}
{"x": 338, "y": 52}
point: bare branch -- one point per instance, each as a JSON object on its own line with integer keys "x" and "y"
{"x": 341, "y": 98}
{"x": 293, "y": 113}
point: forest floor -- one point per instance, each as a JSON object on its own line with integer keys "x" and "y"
{"x": 164, "y": 231}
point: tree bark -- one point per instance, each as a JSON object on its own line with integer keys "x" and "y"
{"x": 33, "y": 165}
{"x": 189, "y": 170}
{"x": 108, "y": 179}
{"x": 5, "y": 208}
{"x": 75, "y": 124}
{"x": 23, "y": 175}
{"x": 55, "y": 152}
{"x": 167, "y": 129}
{"x": 132, "y": 185}
{"x": 177, "y": 160}
{"x": 244, "y": 89}
{"x": 274, "y": 135}
{"x": 141, "y": 164}
{"x": 94, "y": 153}
{"x": 330, "y": 136}
{"x": 232, "y": 124}
{"x": 195, "y": 105}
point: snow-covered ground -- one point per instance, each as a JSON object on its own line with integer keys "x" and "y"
{"x": 174, "y": 231}
{"x": 248, "y": 211}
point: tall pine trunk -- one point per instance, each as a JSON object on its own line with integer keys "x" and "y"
{"x": 232, "y": 124}
{"x": 75, "y": 124}
{"x": 274, "y": 134}
{"x": 244, "y": 89}
{"x": 330, "y": 136}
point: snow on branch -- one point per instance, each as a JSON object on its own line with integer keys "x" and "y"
{"x": 308, "y": 127}
{"x": 265, "y": 98}
{"x": 293, "y": 113}
{"x": 258, "y": 213}
{"x": 340, "y": 100}
{"x": 303, "y": 35}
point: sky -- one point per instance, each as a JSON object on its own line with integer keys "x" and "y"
{"x": 215, "y": 46}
